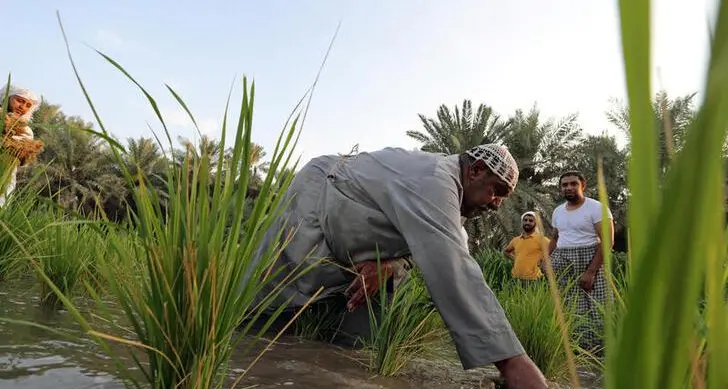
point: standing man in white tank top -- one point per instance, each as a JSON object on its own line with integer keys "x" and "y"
{"x": 577, "y": 256}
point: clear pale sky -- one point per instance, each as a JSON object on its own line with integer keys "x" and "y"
{"x": 391, "y": 60}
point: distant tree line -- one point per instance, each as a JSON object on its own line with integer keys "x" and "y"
{"x": 80, "y": 173}
{"x": 544, "y": 148}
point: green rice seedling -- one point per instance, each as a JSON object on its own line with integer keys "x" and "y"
{"x": 316, "y": 322}
{"x": 200, "y": 279}
{"x": 531, "y": 311}
{"x": 496, "y": 268}
{"x": 559, "y": 310}
{"x": 676, "y": 229}
{"x": 64, "y": 250}
{"x": 404, "y": 324}
{"x": 127, "y": 270}
{"x": 19, "y": 216}
{"x": 620, "y": 267}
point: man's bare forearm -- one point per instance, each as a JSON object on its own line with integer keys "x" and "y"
{"x": 552, "y": 245}
{"x": 597, "y": 260}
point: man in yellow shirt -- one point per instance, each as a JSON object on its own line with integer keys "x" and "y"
{"x": 527, "y": 250}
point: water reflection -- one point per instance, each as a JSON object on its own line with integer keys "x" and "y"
{"x": 31, "y": 357}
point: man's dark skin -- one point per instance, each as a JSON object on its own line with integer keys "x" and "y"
{"x": 482, "y": 191}
{"x": 572, "y": 187}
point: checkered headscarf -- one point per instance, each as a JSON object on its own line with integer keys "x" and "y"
{"x": 499, "y": 160}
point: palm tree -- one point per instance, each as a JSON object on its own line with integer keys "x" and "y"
{"x": 455, "y": 132}
{"x": 206, "y": 146}
{"x": 541, "y": 149}
{"x": 257, "y": 165}
{"x": 144, "y": 161}
{"x": 47, "y": 118}
{"x": 585, "y": 158}
{"x": 192, "y": 153}
{"x": 78, "y": 172}
{"x": 144, "y": 158}
{"x": 672, "y": 116}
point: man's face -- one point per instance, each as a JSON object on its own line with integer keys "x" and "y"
{"x": 482, "y": 191}
{"x": 528, "y": 223}
{"x": 19, "y": 105}
{"x": 572, "y": 188}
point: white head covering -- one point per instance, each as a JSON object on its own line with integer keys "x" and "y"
{"x": 25, "y": 93}
{"x": 531, "y": 213}
{"x": 499, "y": 160}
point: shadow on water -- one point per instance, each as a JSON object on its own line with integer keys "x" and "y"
{"x": 32, "y": 357}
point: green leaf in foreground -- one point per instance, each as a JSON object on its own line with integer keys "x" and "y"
{"x": 686, "y": 243}
{"x": 188, "y": 298}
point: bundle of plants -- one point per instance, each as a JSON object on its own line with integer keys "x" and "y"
{"x": 20, "y": 217}
{"x": 532, "y": 313}
{"x": 203, "y": 265}
{"x": 64, "y": 250}
{"x": 17, "y": 141}
{"x": 404, "y": 323}
{"x": 496, "y": 268}
{"x": 318, "y": 321}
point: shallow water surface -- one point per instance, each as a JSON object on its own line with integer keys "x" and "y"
{"x": 32, "y": 357}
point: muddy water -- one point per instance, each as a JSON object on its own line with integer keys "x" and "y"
{"x": 32, "y": 357}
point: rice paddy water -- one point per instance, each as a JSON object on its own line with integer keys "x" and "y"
{"x": 34, "y": 358}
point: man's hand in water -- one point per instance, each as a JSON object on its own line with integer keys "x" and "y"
{"x": 368, "y": 284}
{"x": 521, "y": 373}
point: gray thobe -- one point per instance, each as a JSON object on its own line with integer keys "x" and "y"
{"x": 392, "y": 203}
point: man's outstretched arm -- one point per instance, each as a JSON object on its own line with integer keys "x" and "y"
{"x": 553, "y": 241}
{"x": 427, "y": 213}
{"x": 509, "y": 251}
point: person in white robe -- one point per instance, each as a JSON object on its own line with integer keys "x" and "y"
{"x": 22, "y": 103}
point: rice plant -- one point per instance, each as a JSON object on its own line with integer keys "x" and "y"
{"x": 676, "y": 229}
{"x": 404, "y": 323}
{"x": 200, "y": 279}
{"x": 19, "y": 216}
{"x": 496, "y": 268}
{"x": 127, "y": 270}
{"x": 318, "y": 321}
{"x": 531, "y": 311}
{"x": 63, "y": 251}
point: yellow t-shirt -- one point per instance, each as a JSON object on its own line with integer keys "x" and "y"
{"x": 528, "y": 251}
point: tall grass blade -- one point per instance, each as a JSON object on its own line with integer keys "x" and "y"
{"x": 644, "y": 198}
{"x": 715, "y": 121}
{"x": 187, "y": 302}
{"x": 559, "y": 309}
{"x": 187, "y": 110}
{"x": 104, "y": 134}
{"x": 671, "y": 261}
